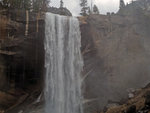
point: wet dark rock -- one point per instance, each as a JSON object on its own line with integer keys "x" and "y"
{"x": 147, "y": 99}
{"x": 131, "y": 109}
{"x": 21, "y": 58}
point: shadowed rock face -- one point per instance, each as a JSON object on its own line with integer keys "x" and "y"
{"x": 116, "y": 58}
{"x": 21, "y": 60}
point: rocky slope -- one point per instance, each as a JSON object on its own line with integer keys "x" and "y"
{"x": 138, "y": 104}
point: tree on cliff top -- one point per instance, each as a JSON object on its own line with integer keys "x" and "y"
{"x": 40, "y": 5}
{"x": 61, "y": 4}
{"x": 122, "y": 4}
{"x": 84, "y": 7}
{"x": 95, "y": 9}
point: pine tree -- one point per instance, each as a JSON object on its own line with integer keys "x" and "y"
{"x": 40, "y": 5}
{"x": 5, "y": 3}
{"x": 1, "y": 5}
{"x": 16, "y": 4}
{"x": 89, "y": 11}
{"x": 27, "y": 4}
{"x": 84, "y": 7}
{"x": 35, "y": 5}
{"x": 61, "y": 3}
{"x": 122, "y": 4}
{"x": 95, "y": 10}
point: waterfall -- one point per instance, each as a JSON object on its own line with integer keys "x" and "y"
{"x": 63, "y": 63}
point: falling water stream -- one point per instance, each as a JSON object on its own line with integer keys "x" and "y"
{"x": 63, "y": 63}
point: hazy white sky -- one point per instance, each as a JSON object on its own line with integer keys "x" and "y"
{"x": 103, "y": 5}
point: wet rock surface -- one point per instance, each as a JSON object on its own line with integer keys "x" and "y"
{"x": 131, "y": 109}
{"x": 21, "y": 60}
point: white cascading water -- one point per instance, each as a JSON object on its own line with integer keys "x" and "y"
{"x": 63, "y": 63}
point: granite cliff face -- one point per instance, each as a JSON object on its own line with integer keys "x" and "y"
{"x": 116, "y": 51}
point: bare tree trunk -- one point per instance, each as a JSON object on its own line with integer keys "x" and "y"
{"x": 37, "y": 22}
{"x": 27, "y": 23}
{"x": 3, "y": 28}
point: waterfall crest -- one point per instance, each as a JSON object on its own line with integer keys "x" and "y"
{"x": 63, "y": 63}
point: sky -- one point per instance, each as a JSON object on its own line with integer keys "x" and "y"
{"x": 103, "y": 5}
